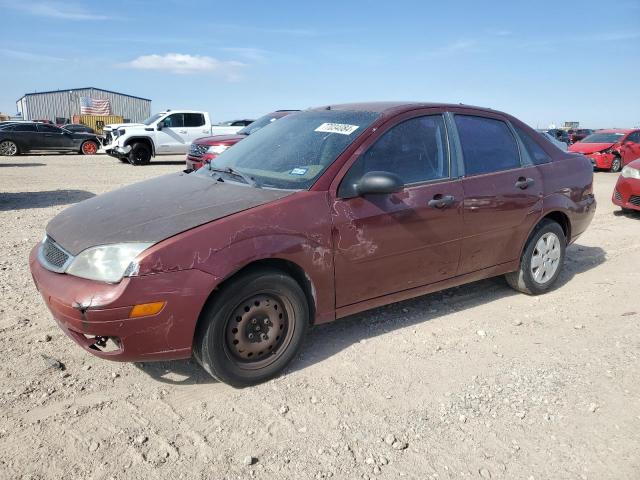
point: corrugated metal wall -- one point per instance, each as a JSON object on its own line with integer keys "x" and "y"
{"x": 66, "y": 103}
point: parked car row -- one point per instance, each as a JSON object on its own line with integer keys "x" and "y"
{"x": 319, "y": 215}
{"x": 610, "y": 149}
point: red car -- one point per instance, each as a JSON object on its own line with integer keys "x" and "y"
{"x": 326, "y": 213}
{"x": 205, "y": 149}
{"x": 610, "y": 149}
{"x": 627, "y": 191}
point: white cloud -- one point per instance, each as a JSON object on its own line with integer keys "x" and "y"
{"x": 185, "y": 64}
{"x": 64, "y": 11}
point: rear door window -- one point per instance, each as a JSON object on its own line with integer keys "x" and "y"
{"x": 193, "y": 119}
{"x": 487, "y": 145}
{"x": 24, "y": 127}
{"x": 46, "y": 128}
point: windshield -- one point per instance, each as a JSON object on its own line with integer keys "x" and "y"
{"x": 603, "y": 138}
{"x": 294, "y": 151}
{"x": 153, "y": 118}
{"x": 258, "y": 124}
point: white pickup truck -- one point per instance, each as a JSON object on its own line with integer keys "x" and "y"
{"x": 165, "y": 133}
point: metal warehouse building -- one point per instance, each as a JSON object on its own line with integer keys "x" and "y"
{"x": 59, "y": 106}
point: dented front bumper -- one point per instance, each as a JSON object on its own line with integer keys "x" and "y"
{"x": 90, "y": 312}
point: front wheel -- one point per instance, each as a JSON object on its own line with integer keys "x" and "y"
{"x": 616, "y": 164}
{"x": 252, "y": 328}
{"x": 8, "y": 148}
{"x": 140, "y": 154}
{"x": 541, "y": 260}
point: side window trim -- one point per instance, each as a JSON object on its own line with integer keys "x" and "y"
{"x": 456, "y": 152}
{"x": 463, "y": 172}
{"x": 523, "y": 153}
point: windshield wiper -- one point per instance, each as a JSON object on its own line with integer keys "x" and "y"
{"x": 236, "y": 173}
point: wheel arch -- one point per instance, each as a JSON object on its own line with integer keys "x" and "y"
{"x": 286, "y": 266}
{"x": 557, "y": 216}
{"x": 146, "y": 140}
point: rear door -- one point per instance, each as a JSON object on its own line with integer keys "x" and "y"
{"x": 502, "y": 193}
{"x": 25, "y": 135}
{"x": 388, "y": 243}
{"x": 195, "y": 126}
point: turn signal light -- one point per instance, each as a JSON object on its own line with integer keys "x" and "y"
{"x": 146, "y": 309}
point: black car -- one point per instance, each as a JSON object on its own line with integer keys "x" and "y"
{"x": 560, "y": 134}
{"x": 78, "y": 127}
{"x": 25, "y": 137}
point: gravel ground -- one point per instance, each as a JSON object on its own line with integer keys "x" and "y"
{"x": 472, "y": 382}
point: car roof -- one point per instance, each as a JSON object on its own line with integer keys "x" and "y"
{"x": 615, "y": 130}
{"x": 397, "y": 107}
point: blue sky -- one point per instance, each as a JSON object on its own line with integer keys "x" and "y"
{"x": 545, "y": 62}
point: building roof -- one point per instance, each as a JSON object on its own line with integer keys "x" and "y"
{"x": 83, "y": 88}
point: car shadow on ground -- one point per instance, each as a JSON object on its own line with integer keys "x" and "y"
{"x": 22, "y": 164}
{"x": 324, "y": 341}
{"x": 167, "y": 162}
{"x": 627, "y": 213}
{"x": 49, "y": 198}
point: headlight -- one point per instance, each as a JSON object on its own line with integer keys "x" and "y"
{"x": 630, "y": 172}
{"x": 217, "y": 149}
{"x": 107, "y": 263}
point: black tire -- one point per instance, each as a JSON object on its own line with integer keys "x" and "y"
{"x": 9, "y": 148}
{"x": 616, "y": 164}
{"x": 140, "y": 154}
{"x": 523, "y": 279}
{"x": 218, "y": 343}
{"x": 89, "y": 147}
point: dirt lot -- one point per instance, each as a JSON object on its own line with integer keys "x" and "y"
{"x": 472, "y": 382}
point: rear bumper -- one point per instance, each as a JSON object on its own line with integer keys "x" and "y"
{"x": 626, "y": 194}
{"x": 85, "y": 309}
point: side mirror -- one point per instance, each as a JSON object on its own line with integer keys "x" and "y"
{"x": 160, "y": 125}
{"x": 376, "y": 183}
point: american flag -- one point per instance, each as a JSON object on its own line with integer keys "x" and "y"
{"x": 94, "y": 106}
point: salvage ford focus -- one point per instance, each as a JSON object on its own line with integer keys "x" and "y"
{"x": 320, "y": 215}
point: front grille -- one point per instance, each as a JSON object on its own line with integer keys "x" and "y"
{"x": 53, "y": 257}
{"x": 197, "y": 150}
{"x": 617, "y": 195}
{"x": 635, "y": 200}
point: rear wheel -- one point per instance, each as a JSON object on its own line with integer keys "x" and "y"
{"x": 89, "y": 148}
{"x": 252, "y": 328}
{"x": 8, "y": 148}
{"x": 140, "y": 154}
{"x": 541, "y": 260}
{"x": 616, "y": 164}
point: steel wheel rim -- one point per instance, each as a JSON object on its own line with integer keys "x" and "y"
{"x": 259, "y": 330}
{"x": 8, "y": 148}
{"x": 545, "y": 258}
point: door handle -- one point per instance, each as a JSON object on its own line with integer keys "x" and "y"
{"x": 524, "y": 183}
{"x": 183, "y": 131}
{"x": 441, "y": 201}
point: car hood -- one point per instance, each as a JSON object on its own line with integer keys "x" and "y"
{"x": 589, "y": 147}
{"x": 635, "y": 164}
{"x": 220, "y": 140}
{"x": 153, "y": 210}
{"x": 115, "y": 126}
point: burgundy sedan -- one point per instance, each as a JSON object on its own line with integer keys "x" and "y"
{"x": 326, "y": 213}
{"x": 205, "y": 149}
{"x": 627, "y": 191}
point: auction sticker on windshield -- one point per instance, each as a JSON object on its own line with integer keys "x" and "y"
{"x": 341, "y": 128}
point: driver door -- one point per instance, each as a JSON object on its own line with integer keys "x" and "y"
{"x": 173, "y": 136}
{"x": 386, "y": 243}
{"x": 631, "y": 148}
